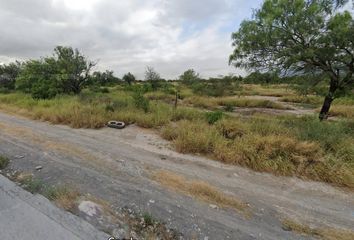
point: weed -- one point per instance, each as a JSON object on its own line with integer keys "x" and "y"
{"x": 314, "y": 100}
{"x": 63, "y": 196}
{"x": 141, "y": 102}
{"x": 229, "y": 107}
{"x": 32, "y": 185}
{"x": 325, "y": 233}
{"x": 4, "y": 161}
{"x": 148, "y": 219}
{"x": 342, "y": 111}
{"x": 213, "y": 117}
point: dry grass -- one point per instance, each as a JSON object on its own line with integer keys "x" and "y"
{"x": 249, "y": 103}
{"x": 278, "y": 154}
{"x": 283, "y": 145}
{"x": 199, "y": 189}
{"x": 213, "y": 103}
{"x": 325, "y": 233}
{"x": 314, "y": 100}
{"x": 277, "y": 90}
{"x": 302, "y": 148}
{"x": 158, "y": 95}
{"x": 201, "y": 102}
{"x": 191, "y": 137}
{"x": 342, "y": 111}
{"x": 63, "y": 196}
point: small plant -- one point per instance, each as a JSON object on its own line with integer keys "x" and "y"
{"x": 109, "y": 107}
{"x": 141, "y": 102}
{"x": 148, "y": 219}
{"x": 32, "y": 185}
{"x": 229, "y": 107}
{"x": 104, "y": 90}
{"x": 4, "y": 161}
{"x": 213, "y": 117}
{"x": 63, "y": 196}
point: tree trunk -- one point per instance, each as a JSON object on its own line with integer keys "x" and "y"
{"x": 325, "y": 107}
{"x": 176, "y": 99}
{"x": 328, "y": 100}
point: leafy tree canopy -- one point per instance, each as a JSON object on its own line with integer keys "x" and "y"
{"x": 66, "y": 72}
{"x": 129, "y": 78}
{"x": 299, "y": 36}
{"x": 152, "y": 77}
{"x": 189, "y": 76}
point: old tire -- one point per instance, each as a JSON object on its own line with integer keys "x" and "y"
{"x": 116, "y": 124}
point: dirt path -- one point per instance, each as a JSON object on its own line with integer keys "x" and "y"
{"x": 116, "y": 166}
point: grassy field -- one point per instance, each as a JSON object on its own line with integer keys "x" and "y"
{"x": 286, "y": 145}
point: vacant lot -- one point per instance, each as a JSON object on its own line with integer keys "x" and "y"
{"x": 266, "y": 128}
{"x": 135, "y": 169}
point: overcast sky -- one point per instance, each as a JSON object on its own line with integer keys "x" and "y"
{"x": 127, "y": 35}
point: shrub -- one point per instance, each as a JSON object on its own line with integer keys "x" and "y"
{"x": 231, "y": 128}
{"x": 4, "y": 161}
{"x": 31, "y": 184}
{"x": 213, "y": 117}
{"x": 141, "y": 102}
{"x": 192, "y": 137}
{"x": 148, "y": 219}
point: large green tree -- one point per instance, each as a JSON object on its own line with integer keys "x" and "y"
{"x": 74, "y": 68}
{"x": 300, "y": 37}
{"x": 190, "y": 76}
{"x": 66, "y": 72}
{"x": 129, "y": 78}
{"x": 8, "y": 75}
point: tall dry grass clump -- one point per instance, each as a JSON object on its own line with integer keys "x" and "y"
{"x": 192, "y": 137}
{"x": 283, "y": 146}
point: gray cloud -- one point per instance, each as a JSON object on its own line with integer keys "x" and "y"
{"x": 125, "y": 35}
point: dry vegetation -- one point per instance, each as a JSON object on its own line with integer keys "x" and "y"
{"x": 342, "y": 111}
{"x": 214, "y": 103}
{"x": 64, "y": 196}
{"x": 200, "y": 190}
{"x": 283, "y": 145}
{"x": 325, "y": 233}
{"x": 4, "y": 161}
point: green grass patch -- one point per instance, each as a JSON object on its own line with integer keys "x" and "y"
{"x": 4, "y": 161}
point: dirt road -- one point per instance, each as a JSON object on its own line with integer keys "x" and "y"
{"x": 116, "y": 165}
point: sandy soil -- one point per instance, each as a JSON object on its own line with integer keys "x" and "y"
{"x": 115, "y": 165}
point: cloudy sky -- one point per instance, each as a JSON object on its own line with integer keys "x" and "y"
{"x": 127, "y": 35}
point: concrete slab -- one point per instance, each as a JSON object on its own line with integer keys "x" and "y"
{"x": 33, "y": 217}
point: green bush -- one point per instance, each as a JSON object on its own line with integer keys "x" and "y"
{"x": 141, "y": 102}
{"x": 4, "y": 161}
{"x": 213, "y": 117}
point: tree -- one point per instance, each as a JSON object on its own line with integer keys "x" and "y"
{"x": 103, "y": 78}
{"x": 40, "y": 78}
{"x": 189, "y": 77}
{"x": 66, "y": 72}
{"x": 152, "y": 77}
{"x": 8, "y": 74}
{"x": 129, "y": 78}
{"x": 300, "y": 37}
{"x": 73, "y": 67}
